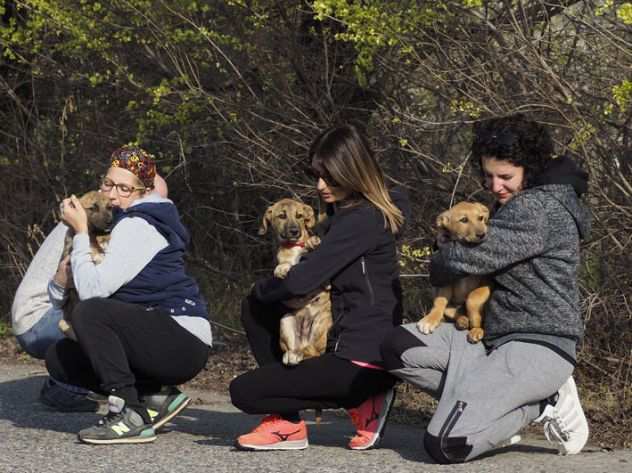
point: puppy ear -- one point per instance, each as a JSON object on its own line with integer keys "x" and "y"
{"x": 310, "y": 220}
{"x": 484, "y": 210}
{"x": 267, "y": 218}
{"x": 443, "y": 219}
{"x": 86, "y": 200}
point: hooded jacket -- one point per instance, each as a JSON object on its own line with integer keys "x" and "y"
{"x": 163, "y": 282}
{"x": 358, "y": 257}
{"x": 531, "y": 254}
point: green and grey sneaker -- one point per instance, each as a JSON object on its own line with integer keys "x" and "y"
{"x": 122, "y": 424}
{"x": 165, "y": 405}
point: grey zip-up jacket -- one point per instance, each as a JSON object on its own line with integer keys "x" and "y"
{"x": 531, "y": 254}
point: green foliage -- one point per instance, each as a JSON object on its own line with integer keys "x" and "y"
{"x": 412, "y": 259}
{"x": 5, "y": 329}
{"x": 624, "y": 13}
{"x": 622, "y": 95}
{"x": 371, "y": 25}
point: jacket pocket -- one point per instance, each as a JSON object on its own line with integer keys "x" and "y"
{"x": 365, "y": 273}
{"x": 453, "y": 418}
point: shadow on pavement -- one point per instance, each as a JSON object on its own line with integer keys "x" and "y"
{"x": 215, "y": 424}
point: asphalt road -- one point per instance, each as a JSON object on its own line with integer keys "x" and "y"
{"x": 35, "y": 439}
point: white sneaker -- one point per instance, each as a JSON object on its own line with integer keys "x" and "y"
{"x": 565, "y": 423}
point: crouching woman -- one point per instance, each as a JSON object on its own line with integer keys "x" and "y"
{"x": 522, "y": 372}
{"x": 142, "y": 325}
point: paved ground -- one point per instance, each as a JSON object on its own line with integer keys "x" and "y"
{"x": 34, "y": 439}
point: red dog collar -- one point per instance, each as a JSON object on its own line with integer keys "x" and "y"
{"x": 292, "y": 245}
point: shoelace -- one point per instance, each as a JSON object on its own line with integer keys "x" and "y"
{"x": 555, "y": 431}
{"x": 110, "y": 418}
{"x": 269, "y": 420}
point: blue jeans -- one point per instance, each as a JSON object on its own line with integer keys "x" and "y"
{"x": 42, "y": 335}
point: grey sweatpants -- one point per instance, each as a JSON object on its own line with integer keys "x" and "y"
{"x": 484, "y": 398}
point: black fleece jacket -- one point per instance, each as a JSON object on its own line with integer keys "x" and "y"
{"x": 358, "y": 257}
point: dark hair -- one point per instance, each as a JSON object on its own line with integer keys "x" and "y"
{"x": 341, "y": 155}
{"x": 515, "y": 139}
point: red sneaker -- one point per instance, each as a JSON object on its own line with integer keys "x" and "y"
{"x": 275, "y": 433}
{"x": 369, "y": 419}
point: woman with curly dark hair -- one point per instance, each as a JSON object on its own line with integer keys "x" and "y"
{"x": 522, "y": 372}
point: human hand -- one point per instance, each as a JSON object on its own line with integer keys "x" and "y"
{"x": 63, "y": 276}
{"x": 74, "y": 215}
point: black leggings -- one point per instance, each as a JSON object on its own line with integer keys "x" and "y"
{"x": 325, "y": 382}
{"x": 126, "y": 349}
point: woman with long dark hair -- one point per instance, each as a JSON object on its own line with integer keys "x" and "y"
{"x": 357, "y": 257}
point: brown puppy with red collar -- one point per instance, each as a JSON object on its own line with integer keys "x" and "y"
{"x": 304, "y": 330}
{"x": 465, "y": 222}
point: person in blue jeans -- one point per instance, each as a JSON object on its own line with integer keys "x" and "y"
{"x": 522, "y": 370}
{"x": 36, "y": 312}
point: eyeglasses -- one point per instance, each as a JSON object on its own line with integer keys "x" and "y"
{"x": 123, "y": 190}
{"x": 326, "y": 177}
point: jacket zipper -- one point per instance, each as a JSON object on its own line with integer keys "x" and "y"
{"x": 368, "y": 281}
{"x": 335, "y": 322}
{"x": 450, "y": 422}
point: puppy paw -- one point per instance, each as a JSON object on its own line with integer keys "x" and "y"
{"x": 462, "y": 322}
{"x": 281, "y": 270}
{"x": 292, "y": 358}
{"x": 312, "y": 243}
{"x": 428, "y": 324}
{"x": 475, "y": 335}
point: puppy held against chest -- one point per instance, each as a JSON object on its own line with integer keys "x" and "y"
{"x": 303, "y": 331}
{"x": 465, "y": 222}
{"x": 99, "y": 212}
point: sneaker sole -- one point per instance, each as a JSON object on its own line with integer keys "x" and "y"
{"x": 381, "y": 428}
{"x": 288, "y": 445}
{"x": 577, "y": 446}
{"x": 172, "y": 414}
{"x": 119, "y": 441}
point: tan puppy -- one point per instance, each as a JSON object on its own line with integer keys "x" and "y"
{"x": 303, "y": 331}
{"x": 465, "y": 222}
{"x": 99, "y": 211}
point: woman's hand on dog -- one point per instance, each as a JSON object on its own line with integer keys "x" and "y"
{"x": 63, "y": 276}
{"x": 74, "y": 215}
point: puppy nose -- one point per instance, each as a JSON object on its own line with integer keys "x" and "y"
{"x": 294, "y": 231}
{"x": 481, "y": 235}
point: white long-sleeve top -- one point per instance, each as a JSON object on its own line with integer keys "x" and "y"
{"x": 133, "y": 244}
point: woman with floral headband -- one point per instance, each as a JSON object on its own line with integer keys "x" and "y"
{"x": 142, "y": 323}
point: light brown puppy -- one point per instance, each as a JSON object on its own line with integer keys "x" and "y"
{"x": 99, "y": 212}
{"x": 465, "y": 222}
{"x": 304, "y": 330}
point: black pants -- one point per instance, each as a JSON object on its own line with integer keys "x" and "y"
{"x": 325, "y": 382}
{"x": 125, "y": 349}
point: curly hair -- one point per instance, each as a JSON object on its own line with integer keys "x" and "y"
{"x": 515, "y": 139}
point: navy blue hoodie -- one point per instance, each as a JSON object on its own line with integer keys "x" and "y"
{"x": 163, "y": 283}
